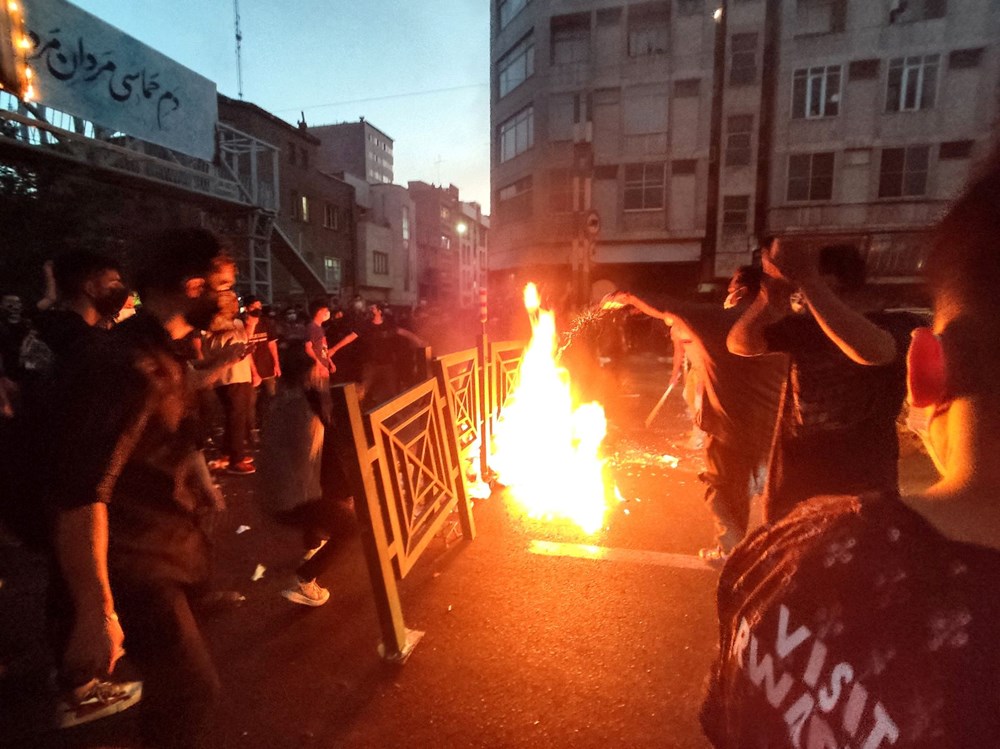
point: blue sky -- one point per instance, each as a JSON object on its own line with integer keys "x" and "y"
{"x": 339, "y": 60}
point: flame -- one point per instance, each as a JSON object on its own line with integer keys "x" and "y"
{"x": 546, "y": 450}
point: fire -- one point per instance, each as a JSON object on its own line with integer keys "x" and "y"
{"x": 546, "y": 450}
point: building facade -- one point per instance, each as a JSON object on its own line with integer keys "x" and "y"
{"x": 313, "y": 236}
{"x": 451, "y": 238}
{"x": 357, "y": 148}
{"x": 655, "y": 143}
{"x": 387, "y": 252}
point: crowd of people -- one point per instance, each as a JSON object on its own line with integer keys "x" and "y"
{"x": 109, "y": 418}
{"x": 853, "y": 616}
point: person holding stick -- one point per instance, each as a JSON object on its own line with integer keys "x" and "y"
{"x": 739, "y": 407}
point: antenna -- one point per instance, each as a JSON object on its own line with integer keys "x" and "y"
{"x": 239, "y": 40}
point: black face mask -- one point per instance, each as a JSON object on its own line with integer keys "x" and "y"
{"x": 203, "y": 311}
{"x": 111, "y": 303}
{"x": 253, "y": 313}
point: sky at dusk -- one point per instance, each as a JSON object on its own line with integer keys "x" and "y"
{"x": 417, "y": 70}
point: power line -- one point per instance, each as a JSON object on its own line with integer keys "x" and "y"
{"x": 422, "y": 92}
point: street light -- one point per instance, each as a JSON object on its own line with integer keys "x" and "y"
{"x": 461, "y": 227}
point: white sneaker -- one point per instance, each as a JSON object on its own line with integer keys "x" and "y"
{"x": 96, "y": 699}
{"x": 308, "y": 593}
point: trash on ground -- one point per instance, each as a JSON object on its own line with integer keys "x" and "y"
{"x": 258, "y": 573}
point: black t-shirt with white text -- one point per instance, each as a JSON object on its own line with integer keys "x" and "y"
{"x": 855, "y": 623}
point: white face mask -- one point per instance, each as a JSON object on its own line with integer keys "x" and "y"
{"x": 918, "y": 421}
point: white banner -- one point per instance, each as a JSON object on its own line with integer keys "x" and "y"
{"x": 88, "y": 68}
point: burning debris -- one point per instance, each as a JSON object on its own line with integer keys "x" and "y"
{"x": 546, "y": 448}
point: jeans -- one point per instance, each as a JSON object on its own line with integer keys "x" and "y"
{"x": 180, "y": 683}
{"x": 731, "y": 478}
{"x": 236, "y": 403}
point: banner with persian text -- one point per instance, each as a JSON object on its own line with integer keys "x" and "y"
{"x": 90, "y": 69}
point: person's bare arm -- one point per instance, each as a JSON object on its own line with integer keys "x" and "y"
{"x": 345, "y": 341}
{"x": 272, "y": 346}
{"x": 51, "y": 291}
{"x": 746, "y": 337}
{"x": 412, "y": 337}
{"x": 81, "y": 537}
{"x": 624, "y": 298}
{"x": 861, "y": 340}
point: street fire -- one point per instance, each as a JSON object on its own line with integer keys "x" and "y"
{"x": 546, "y": 450}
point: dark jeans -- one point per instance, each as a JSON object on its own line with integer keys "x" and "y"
{"x": 731, "y": 478}
{"x": 180, "y": 684}
{"x": 236, "y": 403}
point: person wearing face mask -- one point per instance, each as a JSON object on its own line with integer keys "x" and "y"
{"x": 88, "y": 291}
{"x": 13, "y": 330}
{"x": 129, "y": 532}
{"x": 263, "y": 339}
{"x": 862, "y": 622}
{"x": 737, "y": 409}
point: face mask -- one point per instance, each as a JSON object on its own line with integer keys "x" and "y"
{"x": 110, "y": 304}
{"x": 253, "y": 313}
{"x": 918, "y": 421}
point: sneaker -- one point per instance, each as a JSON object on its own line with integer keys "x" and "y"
{"x": 96, "y": 699}
{"x": 714, "y": 555}
{"x": 308, "y": 593}
{"x": 242, "y": 468}
{"x": 219, "y": 464}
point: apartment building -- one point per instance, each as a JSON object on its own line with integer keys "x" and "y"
{"x": 652, "y": 144}
{"x": 314, "y": 236}
{"x": 357, "y": 148}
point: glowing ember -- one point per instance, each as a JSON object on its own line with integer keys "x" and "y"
{"x": 546, "y": 451}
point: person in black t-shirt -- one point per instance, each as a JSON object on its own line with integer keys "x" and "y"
{"x": 874, "y": 621}
{"x": 382, "y": 344}
{"x": 263, "y": 340}
{"x": 738, "y": 408}
{"x": 836, "y": 430}
{"x": 128, "y": 479}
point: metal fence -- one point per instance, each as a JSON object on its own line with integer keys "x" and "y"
{"x": 410, "y": 465}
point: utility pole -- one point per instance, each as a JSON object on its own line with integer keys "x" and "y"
{"x": 239, "y": 55}
{"x": 708, "y": 248}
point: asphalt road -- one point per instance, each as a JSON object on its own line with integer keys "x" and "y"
{"x": 536, "y": 635}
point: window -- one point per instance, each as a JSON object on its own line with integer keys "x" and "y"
{"x": 296, "y": 205}
{"x": 903, "y": 172}
{"x": 739, "y": 130}
{"x": 648, "y": 30}
{"x": 570, "y": 39}
{"x": 735, "y": 214}
{"x": 687, "y": 87}
{"x": 304, "y": 157}
{"x": 329, "y": 216}
{"x": 816, "y": 92}
{"x": 304, "y": 208}
{"x": 965, "y": 58}
{"x": 291, "y": 152}
{"x": 819, "y": 17}
{"x": 863, "y": 70}
{"x": 514, "y": 200}
{"x": 644, "y": 185}
{"x": 910, "y": 11}
{"x": 810, "y": 176}
{"x": 380, "y": 263}
{"x": 507, "y": 9}
{"x": 560, "y": 191}
{"x": 517, "y": 134}
{"x": 331, "y": 272}
{"x": 912, "y": 83}
{"x": 956, "y": 149}
{"x": 517, "y": 65}
{"x": 743, "y": 62}
{"x": 690, "y": 7}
